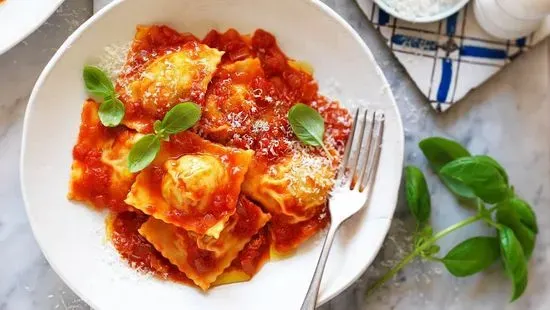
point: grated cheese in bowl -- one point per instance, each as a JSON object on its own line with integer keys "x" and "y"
{"x": 421, "y": 10}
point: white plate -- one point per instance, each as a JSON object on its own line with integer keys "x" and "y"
{"x": 72, "y": 236}
{"x": 19, "y": 18}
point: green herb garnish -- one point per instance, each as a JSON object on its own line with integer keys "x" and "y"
{"x": 308, "y": 125}
{"x": 513, "y": 257}
{"x": 480, "y": 179}
{"x": 418, "y": 197}
{"x": 181, "y": 117}
{"x": 520, "y": 218}
{"x": 472, "y": 256}
{"x": 480, "y": 175}
{"x": 143, "y": 153}
{"x": 111, "y": 110}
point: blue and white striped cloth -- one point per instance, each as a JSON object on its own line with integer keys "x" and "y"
{"x": 447, "y": 59}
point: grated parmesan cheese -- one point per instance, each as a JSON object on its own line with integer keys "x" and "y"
{"x": 113, "y": 59}
{"x": 260, "y": 126}
{"x": 420, "y": 8}
{"x": 307, "y": 169}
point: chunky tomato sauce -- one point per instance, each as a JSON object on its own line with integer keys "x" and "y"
{"x": 244, "y": 106}
{"x": 254, "y": 255}
{"x": 95, "y": 184}
{"x": 286, "y": 237}
{"x": 133, "y": 247}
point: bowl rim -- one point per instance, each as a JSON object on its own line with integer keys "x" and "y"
{"x": 318, "y": 4}
{"x": 424, "y": 19}
{"x": 39, "y": 22}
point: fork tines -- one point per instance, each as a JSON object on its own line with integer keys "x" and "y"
{"x": 362, "y": 153}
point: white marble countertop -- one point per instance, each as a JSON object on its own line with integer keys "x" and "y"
{"x": 507, "y": 118}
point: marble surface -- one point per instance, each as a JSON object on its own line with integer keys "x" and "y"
{"x": 507, "y": 118}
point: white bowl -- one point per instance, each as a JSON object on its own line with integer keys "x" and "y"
{"x": 421, "y": 19}
{"x": 19, "y": 18}
{"x": 72, "y": 236}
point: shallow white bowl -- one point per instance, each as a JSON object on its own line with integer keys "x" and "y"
{"x": 72, "y": 236}
{"x": 421, "y": 19}
{"x": 18, "y": 18}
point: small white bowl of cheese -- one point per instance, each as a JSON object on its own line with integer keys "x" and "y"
{"x": 421, "y": 11}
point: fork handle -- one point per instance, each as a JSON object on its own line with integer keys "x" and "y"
{"x": 310, "y": 300}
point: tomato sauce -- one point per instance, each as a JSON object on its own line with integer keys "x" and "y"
{"x": 135, "y": 249}
{"x": 254, "y": 255}
{"x": 286, "y": 236}
{"x": 94, "y": 185}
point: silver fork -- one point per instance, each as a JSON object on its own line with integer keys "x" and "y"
{"x": 353, "y": 185}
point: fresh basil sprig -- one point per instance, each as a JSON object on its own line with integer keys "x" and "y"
{"x": 483, "y": 180}
{"x": 308, "y": 125}
{"x": 180, "y": 118}
{"x": 111, "y": 110}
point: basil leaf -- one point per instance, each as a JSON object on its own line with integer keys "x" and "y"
{"x": 181, "y": 117}
{"x": 418, "y": 196}
{"x": 512, "y": 214}
{"x": 472, "y": 256}
{"x": 495, "y": 163}
{"x": 143, "y": 153}
{"x": 485, "y": 181}
{"x": 97, "y": 82}
{"x": 440, "y": 151}
{"x": 308, "y": 125}
{"x": 111, "y": 112}
{"x": 458, "y": 188}
{"x": 514, "y": 260}
{"x": 525, "y": 213}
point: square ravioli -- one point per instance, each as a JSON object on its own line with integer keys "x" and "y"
{"x": 296, "y": 186}
{"x": 181, "y": 71}
{"x": 203, "y": 258}
{"x": 193, "y": 184}
{"x": 99, "y": 173}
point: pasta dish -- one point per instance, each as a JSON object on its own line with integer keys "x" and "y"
{"x": 210, "y": 202}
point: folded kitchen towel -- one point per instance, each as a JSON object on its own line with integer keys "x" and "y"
{"x": 447, "y": 59}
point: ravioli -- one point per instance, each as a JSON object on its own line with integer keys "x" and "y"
{"x": 296, "y": 186}
{"x": 99, "y": 173}
{"x": 202, "y": 258}
{"x": 193, "y": 184}
{"x": 179, "y": 75}
{"x": 249, "y": 261}
{"x": 230, "y": 103}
